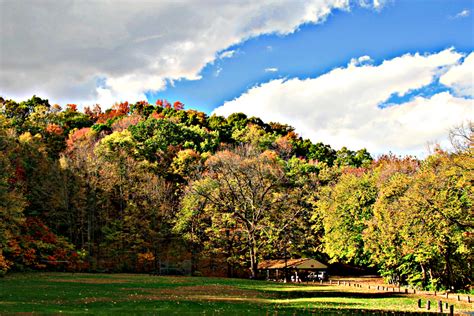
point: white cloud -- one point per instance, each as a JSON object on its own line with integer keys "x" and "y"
{"x": 461, "y": 77}
{"x": 227, "y": 54}
{"x": 217, "y": 72}
{"x": 271, "y": 69}
{"x": 463, "y": 14}
{"x": 376, "y": 4}
{"x": 363, "y": 59}
{"x": 360, "y": 60}
{"x": 341, "y": 106}
{"x": 57, "y": 49}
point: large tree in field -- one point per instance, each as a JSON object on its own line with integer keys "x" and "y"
{"x": 249, "y": 193}
{"x": 344, "y": 210}
{"x": 421, "y": 229}
{"x": 441, "y": 201}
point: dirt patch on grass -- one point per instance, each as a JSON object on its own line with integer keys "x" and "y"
{"x": 89, "y": 300}
{"x": 202, "y": 298}
{"x": 171, "y": 279}
{"x": 91, "y": 281}
{"x": 202, "y": 293}
{"x": 367, "y": 280}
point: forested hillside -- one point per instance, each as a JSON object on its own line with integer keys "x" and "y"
{"x": 141, "y": 185}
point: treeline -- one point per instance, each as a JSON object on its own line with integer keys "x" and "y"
{"x": 140, "y": 185}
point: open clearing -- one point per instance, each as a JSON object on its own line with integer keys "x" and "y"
{"x": 137, "y": 294}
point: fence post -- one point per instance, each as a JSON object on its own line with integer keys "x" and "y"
{"x": 459, "y": 298}
{"x": 451, "y": 310}
{"x": 419, "y": 303}
{"x": 469, "y": 299}
{"x": 428, "y": 305}
{"x": 440, "y": 306}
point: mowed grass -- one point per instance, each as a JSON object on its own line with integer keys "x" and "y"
{"x": 55, "y": 293}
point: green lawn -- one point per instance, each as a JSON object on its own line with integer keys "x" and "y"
{"x": 137, "y": 294}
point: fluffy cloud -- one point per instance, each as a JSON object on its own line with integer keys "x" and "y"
{"x": 61, "y": 49}
{"x": 377, "y": 4}
{"x": 461, "y": 77}
{"x": 342, "y": 107}
{"x": 360, "y": 60}
{"x": 463, "y": 14}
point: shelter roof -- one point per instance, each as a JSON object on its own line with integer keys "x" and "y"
{"x": 302, "y": 263}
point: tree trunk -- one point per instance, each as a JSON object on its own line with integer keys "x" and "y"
{"x": 229, "y": 253}
{"x": 423, "y": 272}
{"x": 448, "y": 269}
{"x": 193, "y": 259}
{"x": 253, "y": 257}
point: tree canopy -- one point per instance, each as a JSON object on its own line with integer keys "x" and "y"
{"x": 142, "y": 187}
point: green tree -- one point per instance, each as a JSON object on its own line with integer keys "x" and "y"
{"x": 245, "y": 193}
{"x": 141, "y": 202}
{"x": 19, "y": 113}
{"x": 384, "y": 236}
{"x": 344, "y": 210}
{"x": 323, "y": 153}
{"x": 441, "y": 202}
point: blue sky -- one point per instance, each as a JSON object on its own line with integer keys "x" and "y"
{"x": 398, "y": 28}
{"x": 387, "y": 75}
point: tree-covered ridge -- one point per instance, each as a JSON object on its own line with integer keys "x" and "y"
{"x": 140, "y": 186}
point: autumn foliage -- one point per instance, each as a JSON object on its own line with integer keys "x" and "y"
{"x": 54, "y": 129}
{"x": 37, "y": 247}
{"x": 155, "y": 188}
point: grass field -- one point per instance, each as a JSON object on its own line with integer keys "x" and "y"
{"x": 55, "y": 293}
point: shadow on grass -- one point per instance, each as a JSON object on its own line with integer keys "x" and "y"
{"x": 180, "y": 307}
{"x": 332, "y": 294}
{"x": 343, "y": 311}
